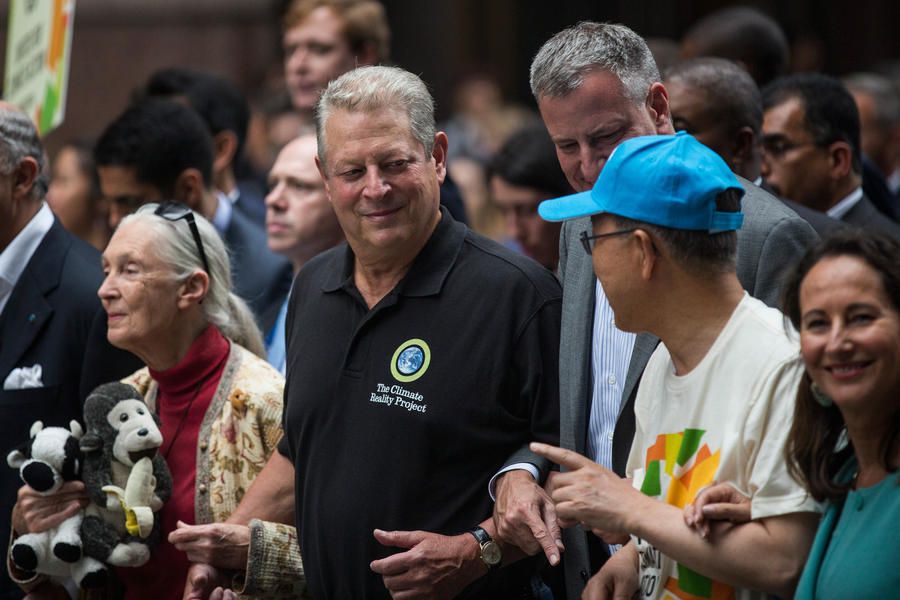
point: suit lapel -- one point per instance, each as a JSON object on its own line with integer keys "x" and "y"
{"x": 28, "y": 310}
{"x": 578, "y": 317}
{"x": 644, "y": 345}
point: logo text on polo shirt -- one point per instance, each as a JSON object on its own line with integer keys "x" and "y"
{"x": 410, "y": 360}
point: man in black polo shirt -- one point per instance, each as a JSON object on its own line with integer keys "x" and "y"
{"x": 420, "y": 357}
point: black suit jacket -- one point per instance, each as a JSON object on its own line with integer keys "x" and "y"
{"x": 865, "y": 216}
{"x": 53, "y": 318}
{"x": 260, "y": 277}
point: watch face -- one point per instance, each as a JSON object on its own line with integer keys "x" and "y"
{"x": 490, "y": 553}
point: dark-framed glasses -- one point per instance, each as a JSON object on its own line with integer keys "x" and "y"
{"x": 777, "y": 146}
{"x": 175, "y": 211}
{"x": 587, "y": 239}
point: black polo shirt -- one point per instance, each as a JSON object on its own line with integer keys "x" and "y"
{"x": 397, "y": 417}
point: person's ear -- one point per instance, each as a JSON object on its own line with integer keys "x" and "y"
{"x": 658, "y": 108}
{"x": 225, "y": 145}
{"x": 193, "y": 290}
{"x": 439, "y": 154}
{"x": 25, "y": 174}
{"x": 744, "y": 149}
{"x": 647, "y": 254}
{"x": 840, "y": 156}
{"x": 189, "y": 189}
{"x": 324, "y": 175}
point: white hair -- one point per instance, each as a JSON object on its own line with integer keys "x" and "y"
{"x": 175, "y": 246}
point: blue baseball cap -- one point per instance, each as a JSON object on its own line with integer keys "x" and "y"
{"x": 666, "y": 180}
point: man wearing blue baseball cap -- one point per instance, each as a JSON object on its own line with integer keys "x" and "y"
{"x": 597, "y": 85}
{"x": 716, "y": 398}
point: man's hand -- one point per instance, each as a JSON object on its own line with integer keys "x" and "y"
{"x": 524, "y": 516}
{"x": 34, "y": 513}
{"x": 617, "y": 580}
{"x": 220, "y": 545}
{"x": 203, "y": 581}
{"x": 433, "y": 566}
{"x": 718, "y": 502}
{"x": 590, "y": 493}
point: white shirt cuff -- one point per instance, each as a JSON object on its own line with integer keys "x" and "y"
{"x": 522, "y": 466}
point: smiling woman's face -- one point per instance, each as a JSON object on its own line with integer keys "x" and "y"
{"x": 850, "y": 335}
{"x": 139, "y": 292}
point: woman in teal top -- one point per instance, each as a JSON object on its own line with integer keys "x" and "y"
{"x": 844, "y": 445}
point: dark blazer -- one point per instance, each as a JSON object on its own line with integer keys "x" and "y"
{"x": 261, "y": 277}
{"x": 771, "y": 237}
{"x": 53, "y": 318}
{"x": 865, "y": 216}
{"x": 251, "y": 200}
{"x": 822, "y": 223}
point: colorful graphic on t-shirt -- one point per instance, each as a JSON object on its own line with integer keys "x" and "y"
{"x": 676, "y": 468}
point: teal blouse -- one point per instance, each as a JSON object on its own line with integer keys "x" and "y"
{"x": 856, "y": 552}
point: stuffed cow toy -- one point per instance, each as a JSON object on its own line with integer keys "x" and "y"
{"x": 51, "y": 458}
{"x": 125, "y": 477}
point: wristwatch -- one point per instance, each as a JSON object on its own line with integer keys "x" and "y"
{"x": 491, "y": 554}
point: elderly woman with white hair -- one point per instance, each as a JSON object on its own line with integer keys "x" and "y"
{"x": 168, "y": 297}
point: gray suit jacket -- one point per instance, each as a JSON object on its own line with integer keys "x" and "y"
{"x": 772, "y": 237}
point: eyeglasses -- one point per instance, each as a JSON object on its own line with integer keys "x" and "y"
{"x": 173, "y": 211}
{"x": 587, "y": 240}
{"x": 777, "y": 146}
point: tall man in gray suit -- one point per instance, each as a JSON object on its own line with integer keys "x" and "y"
{"x": 597, "y": 85}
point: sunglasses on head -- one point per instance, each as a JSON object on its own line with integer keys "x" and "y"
{"x": 174, "y": 211}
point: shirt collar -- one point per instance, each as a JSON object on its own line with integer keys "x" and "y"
{"x": 843, "y": 207}
{"x": 15, "y": 257}
{"x": 222, "y": 219}
{"x": 429, "y": 270}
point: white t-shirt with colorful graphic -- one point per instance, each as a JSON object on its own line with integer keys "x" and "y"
{"x": 725, "y": 421}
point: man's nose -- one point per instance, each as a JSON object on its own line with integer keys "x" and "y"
{"x": 298, "y": 59}
{"x": 765, "y": 168}
{"x": 375, "y": 186}
{"x": 275, "y": 197}
{"x": 591, "y": 165}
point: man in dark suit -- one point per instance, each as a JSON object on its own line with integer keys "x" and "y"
{"x": 597, "y": 85}
{"x": 53, "y": 347}
{"x": 718, "y": 102}
{"x": 160, "y": 149}
{"x": 811, "y": 150}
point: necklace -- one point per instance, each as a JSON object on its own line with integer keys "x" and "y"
{"x": 184, "y": 415}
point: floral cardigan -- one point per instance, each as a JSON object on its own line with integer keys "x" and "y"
{"x": 240, "y": 431}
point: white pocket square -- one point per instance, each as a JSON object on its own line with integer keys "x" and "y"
{"x": 24, "y": 378}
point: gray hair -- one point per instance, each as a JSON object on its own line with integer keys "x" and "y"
{"x": 732, "y": 93}
{"x": 561, "y": 63}
{"x": 19, "y": 139}
{"x": 368, "y": 89}
{"x": 882, "y": 91}
{"x": 175, "y": 246}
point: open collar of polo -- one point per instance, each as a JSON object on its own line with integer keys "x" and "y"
{"x": 428, "y": 272}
